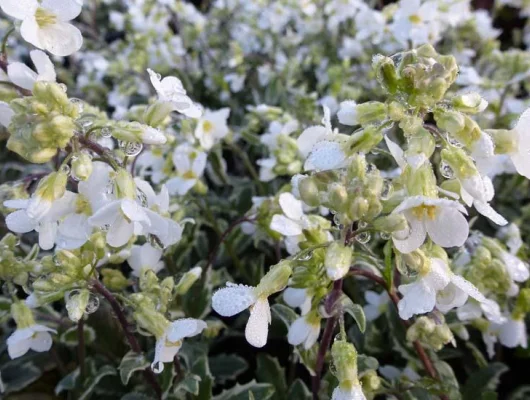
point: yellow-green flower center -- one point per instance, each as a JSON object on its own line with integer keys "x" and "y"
{"x": 44, "y": 17}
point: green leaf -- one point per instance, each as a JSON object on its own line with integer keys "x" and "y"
{"x": 448, "y": 379}
{"x": 521, "y": 393}
{"x": 68, "y": 383}
{"x": 284, "y": 313}
{"x": 260, "y": 391}
{"x": 483, "y": 380}
{"x": 69, "y": 337}
{"x": 189, "y": 384}
{"x": 18, "y": 375}
{"x": 200, "y": 368}
{"x": 136, "y": 396}
{"x": 227, "y": 367}
{"x": 477, "y": 354}
{"x": 307, "y": 357}
{"x": 355, "y": 310}
{"x": 299, "y": 391}
{"x": 131, "y": 363}
{"x": 270, "y": 371}
{"x": 91, "y": 383}
{"x": 365, "y": 363}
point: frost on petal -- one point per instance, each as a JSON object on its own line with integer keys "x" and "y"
{"x": 294, "y": 297}
{"x": 418, "y": 298}
{"x": 233, "y": 299}
{"x": 183, "y": 328}
{"x": 347, "y": 113}
{"x": 21, "y": 75}
{"x": 516, "y": 268}
{"x": 291, "y": 207}
{"x": 285, "y": 226}
{"x": 43, "y": 65}
{"x": 19, "y": 9}
{"x": 19, "y": 222}
{"x": 309, "y": 138}
{"x": 257, "y": 328}
{"x": 449, "y": 228}
{"x": 324, "y": 156}
{"x": 396, "y": 151}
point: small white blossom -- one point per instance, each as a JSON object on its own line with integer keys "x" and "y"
{"x": 21, "y": 75}
{"x": 35, "y": 337}
{"x": 145, "y": 257}
{"x": 304, "y": 330}
{"x": 45, "y": 23}
{"x": 376, "y": 304}
{"x": 355, "y": 392}
{"x": 189, "y": 164}
{"x": 211, "y": 127}
{"x": 521, "y": 157}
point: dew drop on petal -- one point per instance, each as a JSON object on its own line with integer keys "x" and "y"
{"x": 63, "y": 87}
{"x": 385, "y": 235}
{"x": 363, "y": 237}
{"x": 106, "y": 132}
{"x": 65, "y": 169}
{"x": 446, "y": 170}
{"x": 78, "y": 103}
{"x": 131, "y": 149}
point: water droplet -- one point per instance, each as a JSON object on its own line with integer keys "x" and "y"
{"x": 337, "y": 219}
{"x": 109, "y": 188}
{"x": 78, "y": 103}
{"x": 86, "y": 121}
{"x": 403, "y": 234}
{"x": 385, "y": 235}
{"x": 446, "y": 170}
{"x": 157, "y": 367}
{"x": 362, "y": 224}
{"x": 106, "y": 132}
{"x": 69, "y": 294}
{"x": 363, "y": 237}
{"x": 93, "y": 304}
{"x": 387, "y": 190}
{"x": 306, "y": 256}
{"x": 63, "y": 87}
{"x": 65, "y": 169}
{"x": 131, "y": 148}
{"x": 158, "y": 76}
{"x": 454, "y": 142}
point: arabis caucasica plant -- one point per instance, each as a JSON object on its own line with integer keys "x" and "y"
{"x": 248, "y": 199}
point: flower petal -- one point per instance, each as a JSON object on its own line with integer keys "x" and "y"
{"x": 65, "y": 10}
{"x": 233, "y": 299}
{"x": 291, "y": 207}
{"x": 183, "y": 328}
{"x": 120, "y": 232}
{"x": 347, "y": 113}
{"x": 61, "y": 39}
{"x": 43, "y": 65}
{"x": 6, "y": 114}
{"x": 298, "y": 331}
{"x": 324, "y": 156}
{"x": 418, "y": 298}
{"x": 285, "y": 226}
{"x": 29, "y": 30}
{"x": 416, "y": 236}
{"x": 449, "y": 228}
{"x": 20, "y": 222}
{"x": 19, "y": 9}
{"x": 257, "y": 328}
{"x": 21, "y": 75}
{"x": 41, "y": 341}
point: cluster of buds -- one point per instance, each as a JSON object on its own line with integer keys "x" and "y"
{"x": 42, "y": 123}
{"x": 421, "y": 76}
{"x": 430, "y": 333}
{"x": 12, "y": 267}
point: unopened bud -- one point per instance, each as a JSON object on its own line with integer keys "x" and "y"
{"x": 391, "y": 223}
{"x": 344, "y": 357}
{"x": 124, "y": 185}
{"x": 76, "y": 304}
{"x": 157, "y": 114}
{"x": 276, "y": 279}
{"x": 506, "y": 141}
{"x": 22, "y": 315}
{"x": 337, "y": 197}
{"x": 187, "y": 281}
{"x": 370, "y": 381}
{"x": 309, "y": 192}
{"x": 82, "y": 166}
{"x": 338, "y": 260}
{"x": 470, "y": 103}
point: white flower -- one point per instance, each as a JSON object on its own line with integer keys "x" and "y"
{"x": 45, "y": 23}
{"x": 171, "y": 90}
{"x": 353, "y": 393}
{"x": 442, "y": 219}
{"x": 478, "y": 191}
{"x": 521, "y": 156}
{"x": 35, "y": 337}
{"x": 513, "y": 333}
{"x": 170, "y": 343}
{"x": 416, "y": 22}
{"x": 516, "y": 268}
{"x": 321, "y": 147}
{"x": 293, "y": 221}
{"x": 211, "y": 127}
{"x": 145, "y": 257}
{"x": 512, "y": 235}
{"x": 376, "y": 304}
{"x": 164, "y": 228}
{"x": 438, "y": 287}
{"x": 296, "y": 297}
{"x": 42, "y": 218}
{"x": 124, "y": 218}
{"x": 304, "y": 329}
{"x": 189, "y": 164}
{"x": 276, "y": 131}
{"x": 21, "y": 75}
{"x": 233, "y": 299}
{"x": 347, "y": 113}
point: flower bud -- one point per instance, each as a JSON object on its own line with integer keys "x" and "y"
{"x": 391, "y": 223}
{"x": 338, "y": 260}
{"x": 124, "y": 185}
{"x": 450, "y": 121}
{"x": 309, "y": 192}
{"x": 422, "y": 182}
{"x": 22, "y": 315}
{"x": 345, "y": 361}
{"x": 157, "y": 114}
{"x": 422, "y": 142}
{"x": 276, "y": 279}
{"x": 386, "y": 73}
{"x": 146, "y": 315}
{"x": 76, "y": 304}
{"x": 114, "y": 279}
{"x": 371, "y": 112}
{"x": 364, "y": 140}
{"x": 358, "y": 208}
{"x": 337, "y": 197}
{"x": 396, "y": 111}
{"x": 462, "y": 165}
{"x": 187, "y": 281}
{"x": 522, "y": 305}
{"x": 370, "y": 381}
{"x": 470, "y": 103}
{"x": 506, "y": 141}
{"x": 82, "y": 166}
{"x": 417, "y": 261}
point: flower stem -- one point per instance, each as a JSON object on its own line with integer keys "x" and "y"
{"x": 133, "y": 343}
{"x": 81, "y": 348}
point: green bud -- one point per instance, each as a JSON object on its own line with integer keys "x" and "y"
{"x": 386, "y": 73}
{"x": 482, "y": 255}
{"x": 345, "y": 361}
{"x": 275, "y": 280}
{"x": 309, "y": 192}
{"x": 506, "y": 141}
{"x": 22, "y": 315}
{"x": 76, "y": 304}
{"x": 124, "y": 185}
{"x": 114, "y": 279}
{"x": 522, "y": 305}
{"x": 417, "y": 261}
{"x": 147, "y": 317}
{"x": 371, "y": 112}
{"x": 357, "y": 167}
{"x": 52, "y": 187}
{"x": 470, "y": 103}
{"x": 337, "y": 197}
{"x": 450, "y": 121}
{"x": 391, "y": 223}
{"x": 157, "y": 114}
{"x": 187, "y": 281}
{"x": 370, "y": 381}
{"x": 422, "y": 181}
{"x": 396, "y": 111}
{"x": 365, "y": 140}
{"x": 338, "y": 260}
{"x": 421, "y": 142}
{"x": 410, "y": 124}
{"x": 462, "y": 164}
{"x": 358, "y": 208}
{"x": 82, "y": 166}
